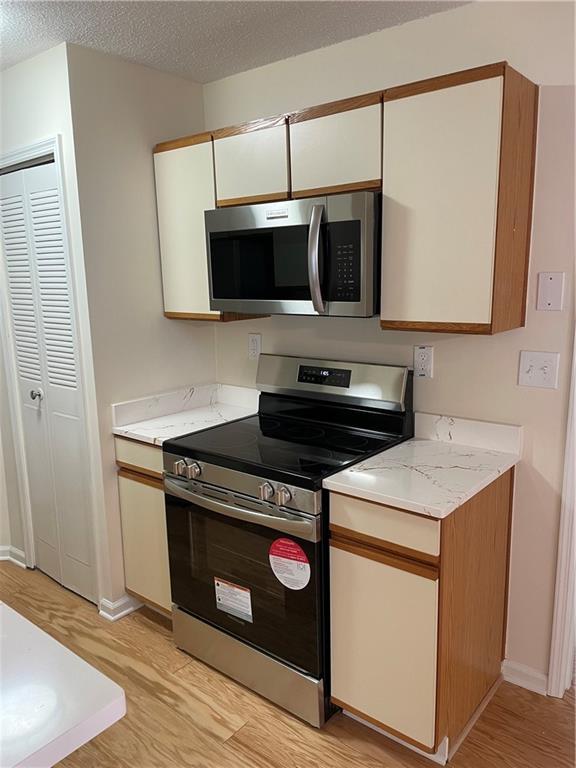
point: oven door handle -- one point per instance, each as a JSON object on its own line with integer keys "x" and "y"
{"x": 314, "y": 259}
{"x": 285, "y": 523}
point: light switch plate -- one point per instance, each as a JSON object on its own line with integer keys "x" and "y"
{"x": 550, "y": 291}
{"x": 539, "y": 369}
{"x": 254, "y": 346}
{"x": 424, "y": 362}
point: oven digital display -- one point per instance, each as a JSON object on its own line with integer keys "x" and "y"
{"x": 331, "y": 377}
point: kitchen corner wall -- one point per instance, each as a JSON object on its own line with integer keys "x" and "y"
{"x": 119, "y": 111}
{"x": 475, "y": 377}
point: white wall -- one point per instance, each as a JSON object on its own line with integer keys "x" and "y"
{"x": 474, "y": 376}
{"x": 119, "y": 111}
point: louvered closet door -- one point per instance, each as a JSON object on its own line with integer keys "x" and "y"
{"x": 47, "y": 359}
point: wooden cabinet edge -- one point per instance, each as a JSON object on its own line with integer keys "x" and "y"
{"x": 165, "y": 612}
{"x": 455, "y": 744}
{"x": 339, "y": 533}
{"x": 221, "y": 317}
{"x": 260, "y": 124}
{"x": 381, "y": 503}
{"x": 144, "y": 479}
{"x": 184, "y": 141}
{"x": 483, "y": 329}
{"x": 335, "y": 107}
{"x": 133, "y": 468}
{"x": 382, "y": 726}
{"x": 336, "y": 189}
{"x": 449, "y": 80}
{"x": 273, "y": 197}
{"x": 354, "y": 547}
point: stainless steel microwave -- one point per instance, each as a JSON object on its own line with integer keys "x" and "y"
{"x": 318, "y": 256}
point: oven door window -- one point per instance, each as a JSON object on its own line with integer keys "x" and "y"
{"x": 220, "y": 571}
{"x": 262, "y": 264}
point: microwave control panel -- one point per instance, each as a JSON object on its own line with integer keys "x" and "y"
{"x": 345, "y": 260}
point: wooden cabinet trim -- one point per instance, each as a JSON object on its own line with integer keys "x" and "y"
{"x": 378, "y": 555}
{"x": 140, "y": 470}
{"x": 184, "y": 141}
{"x": 272, "y": 197}
{"x": 383, "y": 726}
{"x": 363, "y": 539}
{"x": 222, "y": 317}
{"x": 474, "y": 549}
{"x": 484, "y": 329}
{"x": 163, "y": 611}
{"x": 390, "y": 506}
{"x": 335, "y": 107}
{"x": 336, "y": 189}
{"x": 515, "y": 201}
{"x": 445, "y": 81}
{"x": 153, "y": 482}
{"x": 254, "y": 125}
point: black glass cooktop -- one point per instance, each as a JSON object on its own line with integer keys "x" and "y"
{"x": 287, "y": 450}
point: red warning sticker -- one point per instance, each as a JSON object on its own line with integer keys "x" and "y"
{"x": 289, "y": 563}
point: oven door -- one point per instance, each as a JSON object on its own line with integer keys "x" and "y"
{"x": 249, "y": 568}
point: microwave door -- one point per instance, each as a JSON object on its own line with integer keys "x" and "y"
{"x": 263, "y": 266}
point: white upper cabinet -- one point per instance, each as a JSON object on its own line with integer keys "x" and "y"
{"x": 457, "y": 182}
{"x": 184, "y": 190}
{"x": 337, "y": 147}
{"x": 440, "y": 177}
{"x": 251, "y": 162}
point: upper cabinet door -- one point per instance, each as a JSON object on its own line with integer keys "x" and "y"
{"x": 184, "y": 190}
{"x": 337, "y": 147}
{"x": 440, "y": 181}
{"x": 251, "y": 162}
{"x": 457, "y": 181}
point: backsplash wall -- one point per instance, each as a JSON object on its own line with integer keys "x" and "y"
{"x": 475, "y": 377}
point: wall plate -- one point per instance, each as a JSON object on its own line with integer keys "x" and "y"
{"x": 539, "y": 369}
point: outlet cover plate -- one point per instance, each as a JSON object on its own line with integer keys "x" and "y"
{"x": 539, "y": 369}
{"x": 424, "y": 362}
{"x": 550, "y": 291}
{"x": 254, "y": 346}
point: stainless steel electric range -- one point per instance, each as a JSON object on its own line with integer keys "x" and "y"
{"x": 247, "y": 521}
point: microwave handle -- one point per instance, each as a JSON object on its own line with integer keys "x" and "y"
{"x": 304, "y": 529}
{"x": 314, "y": 258}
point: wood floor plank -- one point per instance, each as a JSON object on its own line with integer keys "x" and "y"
{"x": 183, "y": 714}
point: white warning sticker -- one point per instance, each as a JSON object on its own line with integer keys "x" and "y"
{"x": 289, "y": 563}
{"x": 233, "y": 599}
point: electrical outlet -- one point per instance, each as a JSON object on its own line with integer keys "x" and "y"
{"x": 254, "y": 346}
{"x": 424, "y": 362}
{"x": 539, "y": 369}
{"x": 550, "y": 291}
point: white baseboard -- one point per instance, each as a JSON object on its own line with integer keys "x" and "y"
{"x": 13, "y": 554}
{"x": 119, "y": 608}
{"x": 525, "y": 677}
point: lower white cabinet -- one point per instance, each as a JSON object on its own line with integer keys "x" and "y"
{"x": 144, "y": 540}
{"x": 384, "y": 644}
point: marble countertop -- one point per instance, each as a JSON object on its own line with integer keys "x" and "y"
{"x": 432, "y": 474}
{"x": 178, "y": 413}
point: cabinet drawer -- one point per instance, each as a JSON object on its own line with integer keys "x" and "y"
{"x": 144, "y": 541}
{"x": 383, "y": 639}
{"x": 139, "y": 457}
{"x": 403, "y": 529}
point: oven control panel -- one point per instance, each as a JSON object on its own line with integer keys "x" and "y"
{"x": 331, "y": 377}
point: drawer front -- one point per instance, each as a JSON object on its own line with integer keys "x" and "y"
{"x": 404, "y": 529}
{"x": 139, "y": 457}
{"x": 383, "y": 639}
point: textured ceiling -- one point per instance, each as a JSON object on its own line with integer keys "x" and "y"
{"x": 202, "y": 41}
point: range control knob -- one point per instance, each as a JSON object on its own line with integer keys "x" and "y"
{"x": 192, "y": 470}
{"x": 179, "y": 467}
{"x": 265, "y": 491}
{"x": 284, "y": 496}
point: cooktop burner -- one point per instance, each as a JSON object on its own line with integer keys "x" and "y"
{"x": 283, "y": 449}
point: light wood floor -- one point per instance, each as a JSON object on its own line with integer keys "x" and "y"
{"x": 182, "y": 713}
